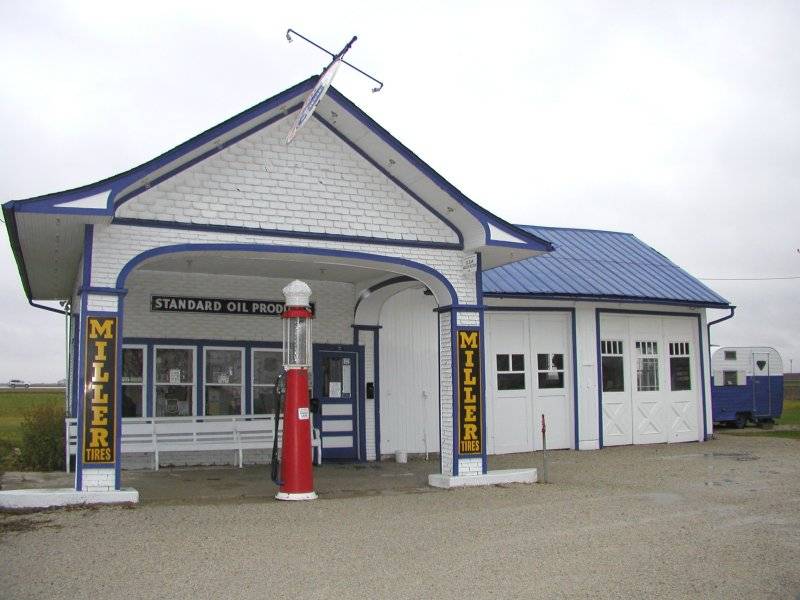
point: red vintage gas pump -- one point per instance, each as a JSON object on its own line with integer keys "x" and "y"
{"x": 296, "y": 479}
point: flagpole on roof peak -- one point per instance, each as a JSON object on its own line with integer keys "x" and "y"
{"x": 323, "y": 83}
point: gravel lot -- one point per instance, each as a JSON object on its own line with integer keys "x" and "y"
{"x": 713, "y": 520}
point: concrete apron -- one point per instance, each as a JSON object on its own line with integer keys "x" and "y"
{"x": 227, "y": 483}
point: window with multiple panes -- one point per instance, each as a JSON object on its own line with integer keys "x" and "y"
{"x": 133, "y": 385}
{"x": 510, "y": 371}
{"x": 550, "y": 370}
{"x": 612, "y": 365}
{"x": 646, "y": 366}
{"x": 267, "y": 365}
{"x": 174, "y": 381}
{"x": 223, "y": 381}
{"x": 679, "y": 367}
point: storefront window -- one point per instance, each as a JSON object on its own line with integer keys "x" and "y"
{"x": 647, "y": 366}
{"x": 510, "y": 371}
{"x": 267, "y": 365}
{"x": 679, "y": 367}
{"x": 174, "y": 382}
{"x": 132, "y": 382}
{"x": 612, "y": 366}
{"x": 223, "y": 374}
{"x": 550, "y": 369}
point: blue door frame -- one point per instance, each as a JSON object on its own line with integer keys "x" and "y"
{"x": 355, "y": 400}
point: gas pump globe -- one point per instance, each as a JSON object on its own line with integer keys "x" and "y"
{"x": 296, "y": 479}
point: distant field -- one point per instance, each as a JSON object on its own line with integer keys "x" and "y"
{"x": 12, "y": 410}
{"x": 791, "y": 412}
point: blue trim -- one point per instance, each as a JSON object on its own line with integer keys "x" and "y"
{"x": 102, "y": 291}
{"x": 599, "y": 359}
{"x": 362, "y": 406}
{"x": 454, "y": 388}
{"x": 151, "y": 374}
{"x": 247, "y": 381}
{"x": 599, "y": 311}
{"x": 439, "y": 379}
{"x": 200, "y": 381}
{"x": 575, "y": 399}
{"x": 118, "y": 399}
{"x": 391, "y": 178}
{"x": 375, "y": 258}
{"x": 76, "y": 320}
{"x": 482, "y": 332}
{"x": 588, "y": 298}
{"x": 282, "y": 233}
{"x": 376, "y": 358}
{"x": 365, "y": 293}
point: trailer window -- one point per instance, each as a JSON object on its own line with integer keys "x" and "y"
{"x": 612, "y": 366}
{"x": 730, "y": 378}
{"x": 679, "y": 367}
{"x": 510, "y": 371}
{"x": 730, "y": 354}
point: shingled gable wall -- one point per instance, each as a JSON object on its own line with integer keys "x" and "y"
{"x": 318, "y": 184}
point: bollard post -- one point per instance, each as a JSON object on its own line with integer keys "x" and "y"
{"x": 544, "y": 451}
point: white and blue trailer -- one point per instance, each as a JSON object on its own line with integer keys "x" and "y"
{"x": 747, "y": 385}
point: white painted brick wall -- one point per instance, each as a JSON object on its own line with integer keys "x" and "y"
{"x": 366, "y": 338}
{"x": 468, "y": 319}
{"x": 115, "y": 245}
{"x": 98, "y": 480}
{"x": 470, "y": 466}
{"x": 334, "y": 304}
{"x": 97, "y": 302}
{"x": 446, "y": 394}
{"x": 317, "y": 184}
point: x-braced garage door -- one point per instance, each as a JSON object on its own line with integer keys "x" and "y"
{"x": 650, "y": 378}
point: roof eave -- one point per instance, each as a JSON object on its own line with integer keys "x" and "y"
{"x": 607, "y": 298}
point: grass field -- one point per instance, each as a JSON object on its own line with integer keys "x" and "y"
{"x": 13, "y": 406}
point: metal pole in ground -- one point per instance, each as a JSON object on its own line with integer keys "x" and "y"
{"x": 544, "y": 451}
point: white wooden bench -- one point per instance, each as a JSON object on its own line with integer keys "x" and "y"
{"x": 181, "y": 434}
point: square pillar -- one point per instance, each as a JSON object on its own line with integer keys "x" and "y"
{"x": 99, "y": 414}
{"x": 461, "y": 388}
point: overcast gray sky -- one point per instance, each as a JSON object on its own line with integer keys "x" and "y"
{"x": 676, "y": 121}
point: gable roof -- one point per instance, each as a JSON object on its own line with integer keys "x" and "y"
{"x": 33, "y": 223}
{"x": 591, "y": 264}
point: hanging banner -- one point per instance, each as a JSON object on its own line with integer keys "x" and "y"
{"x": 99, "y": 401}
{"x": 470, "y": 420}
{"x": 317, "y": 93}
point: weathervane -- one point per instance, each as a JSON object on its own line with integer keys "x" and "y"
{"x": 323, "y": 83}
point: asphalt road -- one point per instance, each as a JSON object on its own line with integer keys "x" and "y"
{"x": 713, "y": 520}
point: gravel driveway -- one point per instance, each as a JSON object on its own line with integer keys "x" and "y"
{"x": 713, "y": 520}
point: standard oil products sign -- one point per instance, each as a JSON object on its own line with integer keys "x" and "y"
{"x": 99, "y": 405}
{"x": 470, "y": 435}
{"x": 217, "y": 306}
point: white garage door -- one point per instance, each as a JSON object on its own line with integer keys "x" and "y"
{"x": 529, "y": 374}
{"x": 650, "y": 379}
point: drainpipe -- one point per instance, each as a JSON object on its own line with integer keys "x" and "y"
{"x": 725, "y": 318}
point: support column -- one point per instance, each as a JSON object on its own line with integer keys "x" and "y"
{"x": 461, "y": 381}
{"x": 97, "y": 461}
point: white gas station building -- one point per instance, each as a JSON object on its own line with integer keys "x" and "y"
{"x": 438, "y": 326}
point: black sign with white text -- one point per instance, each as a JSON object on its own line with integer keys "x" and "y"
{"x": 217, "y": 306}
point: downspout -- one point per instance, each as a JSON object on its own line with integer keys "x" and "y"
{"x": 725, "y": 318}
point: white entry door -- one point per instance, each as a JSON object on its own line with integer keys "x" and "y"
{"x": 552, "y": 379}
{"x": 509, "y": 402}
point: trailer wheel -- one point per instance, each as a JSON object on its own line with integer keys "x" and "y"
{"x": 741, "y": 420}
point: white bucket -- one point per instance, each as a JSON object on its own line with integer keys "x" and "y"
{"x": 401, "y": 457}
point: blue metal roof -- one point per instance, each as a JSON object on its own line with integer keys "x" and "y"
{"x": 599, "y": 264}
